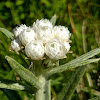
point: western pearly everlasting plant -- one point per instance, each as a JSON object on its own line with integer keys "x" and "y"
{"x": 49, "y": 41}
{"x": 44, "y": 44}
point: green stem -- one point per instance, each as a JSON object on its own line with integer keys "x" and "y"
{"x": 48, "y": 90}
{"x": 44, "y": 93}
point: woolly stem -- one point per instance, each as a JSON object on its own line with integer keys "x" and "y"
{"x": 45, "y": 92}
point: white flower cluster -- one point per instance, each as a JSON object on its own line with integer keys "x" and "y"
{"x": 42, "y": 39}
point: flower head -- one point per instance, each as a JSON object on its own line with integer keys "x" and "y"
{"x": 34, "y": 50}
{"x": 18, "y": 30}
{"x": 54, "y": 49}
{"x": 42, "y": 23}
{"x": 61, "y": 32}
{"x": 43, "y": 29}
{"x": 26, "y": 36}
{"x": 42, "y": 38}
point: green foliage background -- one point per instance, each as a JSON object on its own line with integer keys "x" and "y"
{"x": 82, "y": 17}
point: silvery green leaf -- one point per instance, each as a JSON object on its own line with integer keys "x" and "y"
{"x": 53, "y": 20}
{"x": 71, "y": 83}
{"x": 23, "y": 72}
{"x": 7, "y": 33}
{"x": 48, "y": 92}
{"x": 82, "y": 60}
{"x": 13, "y": 85}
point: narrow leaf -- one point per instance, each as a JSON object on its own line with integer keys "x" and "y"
{"x": 53, "y": 20}
{"x": 69, "y": 66}
{"x": 13, "y": 85}
{"x": 11, "y": 94}
{"x": 96, "y": 98}
{"x": 82, "y": 60}
{"x": 71, "y": 83}
{"x": 23, "y": 72}
{"x": 7, "y": 33}
{"x": 48, "y": 92}
{"x": 87, "y": 90}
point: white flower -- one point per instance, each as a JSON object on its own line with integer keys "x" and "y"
{"x": 67, "y": 46}
{"x": 42, "y": 23}
{"x": 26, "y": 36}
{"x": 18, "y": 30}
{"x": 42, "y": 39}
{"x": 43, "y": 29}
{"x": 62, "y": 33}
{"x": 54, "y": 49}
{"x": 16, "y": 45}
{"x": 34, "y": 50}
{"x": 44, "y": 34}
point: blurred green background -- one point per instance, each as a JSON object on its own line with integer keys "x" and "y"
{"x": 82, "y": 17}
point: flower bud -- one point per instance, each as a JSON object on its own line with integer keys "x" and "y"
{"x": 16, "y": 45}
{"x": 54, "y": 49}
{"x": 43, "y": 29}
{"x": 42, "y": 23}
{"x": 34, "y": 50}
{"x": 61, "y": 32}
{"x": 26, "y": 36}
{"x": 18, "y": 30}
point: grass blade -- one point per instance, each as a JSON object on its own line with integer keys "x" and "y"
{"x": 23, "y": 72}
{"x": 96, "y": 98}
{"x": 7, "y": 33}
{"x": 87, "y": 90}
